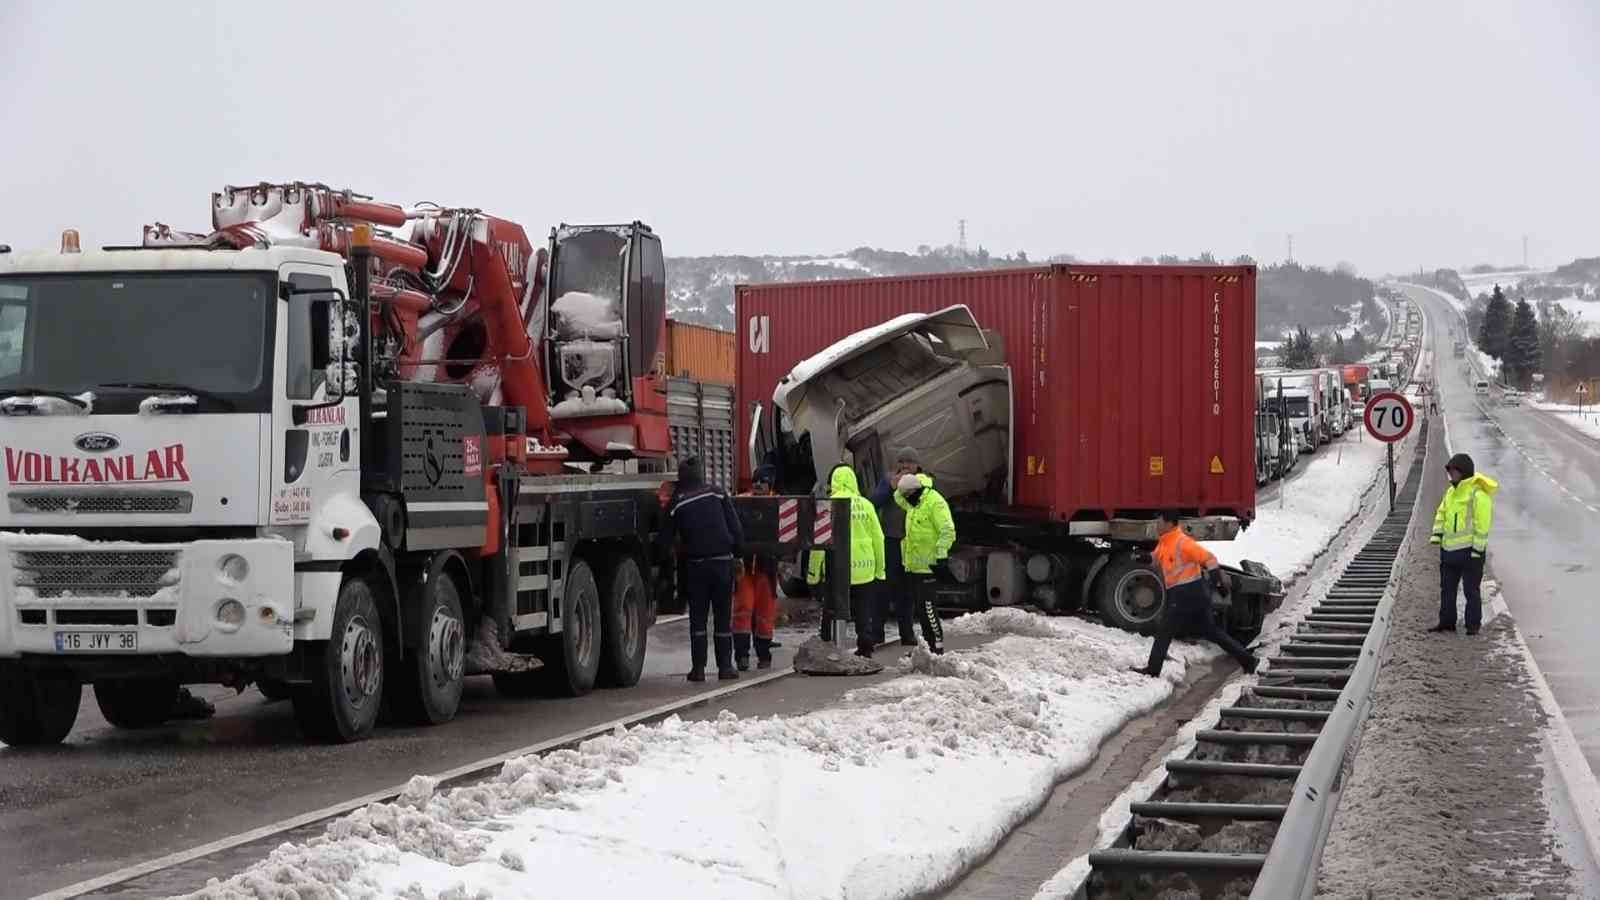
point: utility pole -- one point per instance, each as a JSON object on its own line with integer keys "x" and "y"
{"x": 961, "y": 236}
{"x": 1291, "y": 247}
{"x": 1524, "y": 251}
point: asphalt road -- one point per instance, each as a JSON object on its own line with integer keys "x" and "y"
{"x": 107, "y": 799}
{"x": 1547, "y": 514}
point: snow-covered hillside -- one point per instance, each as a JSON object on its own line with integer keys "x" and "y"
{"x": 700, "y": 288}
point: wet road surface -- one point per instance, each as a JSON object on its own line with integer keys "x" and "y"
{"x": 1542, "y": 547}
{"x": 107, "y": 798}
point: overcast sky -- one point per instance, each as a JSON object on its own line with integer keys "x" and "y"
{"x": 1390, "y": 134}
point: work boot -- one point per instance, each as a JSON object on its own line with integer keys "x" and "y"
{"x": 1141, "y": 670}
{"x": 724, "y": 653}
{"x": 187, "y": 706}
{"x": 727, "y": 674}
{"x": 1472, "y": 631}
{"x": 697, "y": 657}
{"x": 764, "y": 662}
{"x": 741, "y": 646}
{"x": 1441, "y": 628}
{"x": 742, "y": 663}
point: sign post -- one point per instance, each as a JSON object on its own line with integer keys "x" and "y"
{"x": 1389, "y": 418}
{"x": 1582, "y": 389}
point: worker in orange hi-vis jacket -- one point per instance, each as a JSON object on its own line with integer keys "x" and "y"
{"x": 755, "y": 600}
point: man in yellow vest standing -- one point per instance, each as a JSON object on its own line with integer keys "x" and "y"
{"x": 1461, "y": 529}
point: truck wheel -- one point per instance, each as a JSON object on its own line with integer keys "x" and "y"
{"x": 572, "y": 658}
{"x": 1130, "y": 595}
{"x": 341, "y": 703}
{"x": 136, "y": 703}
{"x": 36, "y": 708}
{"x": 624, "y": 623}
{"x": 273, "y": 689}
{"x": 428, "y": 681}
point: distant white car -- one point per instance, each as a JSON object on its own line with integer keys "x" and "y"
{"x": 1512, "y": 398}
{"x": 1483, "y": 388}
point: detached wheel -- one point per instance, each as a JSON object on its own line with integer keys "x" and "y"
{"x": 428, "y": 681}
{"x": 1130, "y": 595}
{"x": 572, "y": 658}
{"x": 624, "y": 624}
{"x": 341, "y": 703}
{"x": 142, "y": 703}
{"x": 36, "y": 709}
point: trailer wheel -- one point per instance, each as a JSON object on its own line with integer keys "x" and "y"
{"x": 572, "y": 658}
{"x": 136, "y": 703}
{"x": 36, "y": 708}
{"x": 624, "y": 624}
{"x": 428, "y": 681}
{"x": 341, "y": 703}
{"x": 1130, "y": 595}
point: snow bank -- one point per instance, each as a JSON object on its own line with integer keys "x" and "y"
{"x": 1287, "y": 535}
{"x": 1588, "y": 423}
{"x": 893, "y": 792}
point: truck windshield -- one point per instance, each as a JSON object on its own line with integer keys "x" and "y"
{"x": 588, "y": 285}
{"x": 1297, "y": 407}
{"x": 209, "y": 331}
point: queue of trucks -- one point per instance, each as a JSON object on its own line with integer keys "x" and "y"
{"x": 1299, "y": 411}
{"x": 354, "y": 452}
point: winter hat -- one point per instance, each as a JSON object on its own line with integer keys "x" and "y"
{"x": 1461, "y": 463}
{"x": 908, "y": 456}
{"x": 909, "y": 484}
{"x": 690, "y": 473}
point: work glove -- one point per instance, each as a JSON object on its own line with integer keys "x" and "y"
{"x": 941, "y": 566}
{"x": 1437, "y": 538}
{"x": 1219, "y": 582}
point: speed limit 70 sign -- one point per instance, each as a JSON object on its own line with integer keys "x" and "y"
{"x": 1389, "y": 416}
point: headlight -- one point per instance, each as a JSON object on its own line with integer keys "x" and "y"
{"x": 230, "y": 614}
{"x": 234, "y": 568}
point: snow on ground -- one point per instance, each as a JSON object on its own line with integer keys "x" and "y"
{"x": 1588, "y": 423}
{"x": 1287, "y": 536}
{"x": 1587, "y": 311}
{"x": 893, "y": 792}
{"x": 836, "y": 262}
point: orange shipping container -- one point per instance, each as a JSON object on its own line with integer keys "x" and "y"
{"x": 700, "y": 352}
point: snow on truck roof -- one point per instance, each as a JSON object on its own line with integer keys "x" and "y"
{"x": 954, "y": 325}
{"x": 140, "y": 259}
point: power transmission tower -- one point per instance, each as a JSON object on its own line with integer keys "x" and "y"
{"x": 1524, "y": 251}
{"x": 961, "y": 236}
{"x": 1291, "y": 248}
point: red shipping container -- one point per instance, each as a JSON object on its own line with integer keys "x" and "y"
{"x": 1132, "y": 386}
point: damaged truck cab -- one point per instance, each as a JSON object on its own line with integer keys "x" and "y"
{"x": 1055, "y": 489}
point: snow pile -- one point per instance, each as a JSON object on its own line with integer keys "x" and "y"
{"x": 1288, "y": 534}
{"x": 581, "y": 315}
{"x": 1588, "y": 423}
{"x": 893, "y": 792}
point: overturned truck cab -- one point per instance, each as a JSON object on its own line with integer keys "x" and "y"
{"x": 940, "y": 384}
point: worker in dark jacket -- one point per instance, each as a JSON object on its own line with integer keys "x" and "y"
{"x": 704, "y": 518}
{"x": 755, "y": 599}
{"x": 895, "y": 593}
{"x": 1185, "y": 567}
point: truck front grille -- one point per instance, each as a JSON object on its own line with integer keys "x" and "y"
{"x": 103, "y": 503}
{"x": 67, "y": 574}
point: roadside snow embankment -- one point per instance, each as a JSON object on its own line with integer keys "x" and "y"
{"x": 1587, "y": 424}
{"x": 892, "y": 793}
{"x": 1288, "y": 534}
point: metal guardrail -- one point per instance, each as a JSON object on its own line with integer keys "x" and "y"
{"x": 1291, "y": 864}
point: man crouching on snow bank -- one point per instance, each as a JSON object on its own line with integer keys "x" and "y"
{"x": 1184, "y": 566}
